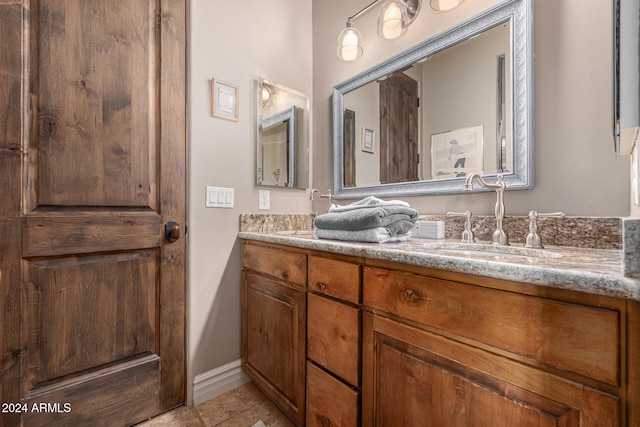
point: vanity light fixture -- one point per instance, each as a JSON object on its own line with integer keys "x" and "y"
{"x": 349, "y": 43}
{"x": 394, "y": 18}
{"x": 444, "y": 5}
{"x": 266, "y": 93}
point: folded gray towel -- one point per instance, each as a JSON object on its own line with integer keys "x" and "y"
{"x": 369, "y": 217}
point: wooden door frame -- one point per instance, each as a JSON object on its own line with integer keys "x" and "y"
{"x": 11, "y": 107}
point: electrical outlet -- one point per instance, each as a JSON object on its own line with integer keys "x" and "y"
{"x": 264, "y": 200}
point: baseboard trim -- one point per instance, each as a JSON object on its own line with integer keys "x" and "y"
{"x": 218, "y": 381}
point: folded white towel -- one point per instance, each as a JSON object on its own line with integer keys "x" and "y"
{"x": 371, "y": 235}
{"x": 367, "y": 202}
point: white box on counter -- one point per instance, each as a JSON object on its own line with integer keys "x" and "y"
{"x": 428, "y": 230}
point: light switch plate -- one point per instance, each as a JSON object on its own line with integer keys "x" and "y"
{"x": 219, "y": 197}
{"x": 264, "y": 200}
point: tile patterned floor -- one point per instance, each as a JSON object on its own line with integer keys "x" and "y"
{"x": 240, "y": 407}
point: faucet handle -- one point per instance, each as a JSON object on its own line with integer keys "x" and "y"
{"x": 467, "y": 234}
{"x": 533, "y": 239}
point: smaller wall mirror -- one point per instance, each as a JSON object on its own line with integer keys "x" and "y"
{"x": 282, "y": 136}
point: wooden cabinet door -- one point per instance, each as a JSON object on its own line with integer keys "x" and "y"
{"x": 415, "y": 378}
{"x": 274, "y": 343}
{"x": 93, "y": 326}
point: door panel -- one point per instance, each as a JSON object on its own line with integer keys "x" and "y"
{"x": 95, "y": 89}
{"x": 432, "y": 394}
{"x": 94, "y": 297}
{"x": 414, "y": 377}
{"x": 89, "y": 311}
{"x": 117, "y": 395}
{"x": 78, "y": 232}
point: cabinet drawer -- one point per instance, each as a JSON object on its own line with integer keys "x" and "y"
{"x": 282, "y": 264}
{"x": 329, "y": 402}
{"x": 333, "y": 332}
{"x": 339, "y": 279}
{"x": 580, "y": 339}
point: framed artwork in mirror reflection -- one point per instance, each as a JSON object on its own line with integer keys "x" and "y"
{"x": 224, "y": 99}
{"x": 368, "y": 140}
{"x": 458, "y": 152}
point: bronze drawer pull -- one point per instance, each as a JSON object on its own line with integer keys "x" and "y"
{"x": 321, "y": 286}
{"x": 285, "y": 275}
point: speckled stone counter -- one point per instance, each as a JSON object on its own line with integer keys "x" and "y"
{"x": 596, "y": 271}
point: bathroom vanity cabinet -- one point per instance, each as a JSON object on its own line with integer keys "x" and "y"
{"x": 337, "y": 340}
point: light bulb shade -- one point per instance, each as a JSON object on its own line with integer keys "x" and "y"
{"x": 349, "y": 44}
{"x": 266, "y": 94}
{"x": 444, "y": 5}
{"x": 392, "y": 20}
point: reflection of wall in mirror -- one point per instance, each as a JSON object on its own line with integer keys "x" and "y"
{"x": 463, "y": 81}
{"x": 274, "y": 155}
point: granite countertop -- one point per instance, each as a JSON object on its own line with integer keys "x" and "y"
{"x": 596, "y": 271}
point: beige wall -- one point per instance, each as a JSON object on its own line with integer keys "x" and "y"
{"x": 237, "y": 42}
{"x": 575, "y": 167}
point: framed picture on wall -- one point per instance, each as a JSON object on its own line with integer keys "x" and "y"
{"x": 457, "y": 153}
{"x": 224, "y": 98}
{"x": 368, "y": 140}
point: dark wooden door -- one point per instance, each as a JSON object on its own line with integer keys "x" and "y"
{"x": 93, "y": 163}
{"x": 349, "y": 145}
{"x": 398, "y": 129}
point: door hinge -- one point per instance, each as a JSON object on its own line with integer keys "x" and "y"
{"x": 418, "y": 102}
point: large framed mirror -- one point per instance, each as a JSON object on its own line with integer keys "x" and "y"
{"x": 282, "y": 136}
{"x": 459, "y": 102}
{"x": 626, "y": 75}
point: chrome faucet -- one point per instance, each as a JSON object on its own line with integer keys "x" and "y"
{"x": 499, "y": 236}
{"x": 322, "y": 196}
{"x": 467, "y": 234}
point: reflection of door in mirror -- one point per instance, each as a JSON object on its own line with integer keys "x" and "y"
{"x": 349, "y": 148}
{"x": 398, "y": 129}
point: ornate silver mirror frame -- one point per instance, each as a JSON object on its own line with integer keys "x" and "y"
{"x": 519, "y": 13}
